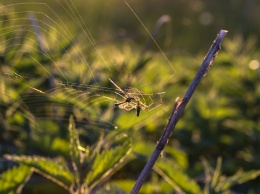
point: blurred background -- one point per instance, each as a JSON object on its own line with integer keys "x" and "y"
{"x": 107, "y": 20}
{"x": 56, "y": 58}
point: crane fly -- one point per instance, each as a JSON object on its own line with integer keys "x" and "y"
{"x": 131, "y": 100}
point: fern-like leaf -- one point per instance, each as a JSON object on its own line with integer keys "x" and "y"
{"x": 51, "y": 169}
{"x": 13, "y": 180}
{"x": 105, "y": 164}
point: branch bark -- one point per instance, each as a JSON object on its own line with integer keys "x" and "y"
{"x": 178, "y": 110}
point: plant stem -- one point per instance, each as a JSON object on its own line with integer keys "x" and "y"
{"x": 178, "y": 110}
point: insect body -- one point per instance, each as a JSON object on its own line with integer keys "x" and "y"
{"x": 138, "y": 109}
{"x": 126, "y": 101}
{"x": 133, "y": 99}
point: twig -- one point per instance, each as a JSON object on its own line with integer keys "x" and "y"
{"x": 178, "y": 110}
{"x": 162, "y": 20}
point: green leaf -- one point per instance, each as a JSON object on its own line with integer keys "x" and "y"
{"x": 125, "y": 186}
{"x": 74, "y": 143}
{"x": 217, "y": 173}
{"x": 180, "y": 157}
{"x": 176, "y": 177}
{"x": 143, "y": 148}
{"x": 239, "y": 178}
{"x": 106, "y": 163}
{"x": 60, "y": 146}
{"x": 14, "y": 179}
{"x": 49, "y": 168}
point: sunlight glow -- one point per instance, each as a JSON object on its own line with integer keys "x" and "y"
{"x": 254, "y": 64}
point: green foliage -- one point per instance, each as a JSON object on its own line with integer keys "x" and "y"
{"x": 41, "y": 88}
{"x": 153, "y": 186}
{"x": 75, "y": 153}
{"x": 14, "y": 179}
{"x": 176, "y": 177}
{"x": 106, "y": 163}
{"x": 146, "y": 149}
{"x": 54, "y": 170}
{"x": 239, "y": 178}
{"x": 214, "y": 180}
{"x": 99, "y": 164}
{"x": 94, "y": 167}
{"x": 218, "y": 183}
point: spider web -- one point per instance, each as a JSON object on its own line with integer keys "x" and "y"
{"x": 70, "y": 80}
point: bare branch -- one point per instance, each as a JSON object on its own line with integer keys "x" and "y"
{"x": 178, "y": 110}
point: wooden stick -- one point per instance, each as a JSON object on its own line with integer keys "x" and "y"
{"x": 178, "y": 110}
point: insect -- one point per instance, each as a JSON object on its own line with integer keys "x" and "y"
{"x": 132, "y": 100}
{"x": 128, "y": 105}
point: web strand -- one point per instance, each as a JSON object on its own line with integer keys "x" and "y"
{"x": 155, "y": 42}
{"x": 75, "y": 90}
